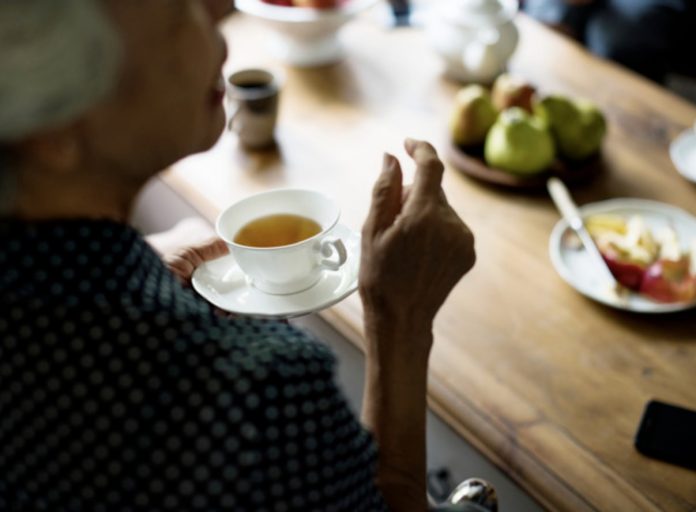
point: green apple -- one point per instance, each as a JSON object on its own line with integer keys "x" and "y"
{"x": 472, "y": 116}
{"x": 519, "y": 143}
{"x": 578, "y": 126}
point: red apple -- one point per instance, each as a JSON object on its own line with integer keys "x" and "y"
{"x": 669, "y": 281}
{"x": 628, "y": 273}
{"x": 512, "y": 91}
{"x": 283, "y": 3}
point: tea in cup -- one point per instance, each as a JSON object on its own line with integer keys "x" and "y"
{"x": 282, "y": 240}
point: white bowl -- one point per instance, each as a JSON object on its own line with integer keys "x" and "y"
{"x": 304, "y": 36}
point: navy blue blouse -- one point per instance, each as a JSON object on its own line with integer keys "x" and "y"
{"x": 122, "y": 390}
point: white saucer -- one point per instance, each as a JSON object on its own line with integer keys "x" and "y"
{"x": 683, "y": 154}
{"x": 578, "y": 269}
{"x": 222, "y": 284}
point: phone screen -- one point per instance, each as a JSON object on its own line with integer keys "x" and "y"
{"x": 668, "y": 433}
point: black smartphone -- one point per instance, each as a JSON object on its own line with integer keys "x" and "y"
{"x": 668, "y": 433}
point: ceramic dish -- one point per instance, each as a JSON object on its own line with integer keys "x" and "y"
{"x": 577, "y": 269}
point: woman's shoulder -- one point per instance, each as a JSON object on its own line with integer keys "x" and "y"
{"x": 242, "y": 345}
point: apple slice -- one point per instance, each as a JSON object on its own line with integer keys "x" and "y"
{"x": 628, "y": 273}
{"x": 627, "y": 246}
{"x": 606, "y": 223}
{"x": 670, "y": 281}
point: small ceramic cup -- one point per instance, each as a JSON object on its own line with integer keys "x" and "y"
{"x": 253, "y": 96}
{"x": 285, "y": 269}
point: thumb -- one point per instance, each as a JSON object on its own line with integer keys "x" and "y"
{"x": 386, "y": 196}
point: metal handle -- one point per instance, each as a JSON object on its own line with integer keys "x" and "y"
{"x": 472, "y": 495}
{"x": 476, "y": 491}
{"x": 564, "y": 203}
{"x": 561, "y": 197}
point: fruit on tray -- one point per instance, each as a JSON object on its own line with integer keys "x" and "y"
{"x": 513, "y": 91}
{"x": 578, "y": 126}
{"x": 472, "y": 116}
{"x": 516, "y": 143}
{"x": 519, "y": 143}
{"x": 646, "y": 261}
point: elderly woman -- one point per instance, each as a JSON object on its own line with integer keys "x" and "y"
{"x": 119, "y": 388}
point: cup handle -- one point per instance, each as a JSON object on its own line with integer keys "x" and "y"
{"x": 234, "y": 113}
{"x": 328, "y": 248}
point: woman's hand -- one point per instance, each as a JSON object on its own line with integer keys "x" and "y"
{"x": 188, "y": 244}
{"x": 415, "y": 248}
{"x": 183, "y": 262}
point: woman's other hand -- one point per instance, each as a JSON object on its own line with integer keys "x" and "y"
{"x": 414, "y": 251}
{"x": 415, "y": 248}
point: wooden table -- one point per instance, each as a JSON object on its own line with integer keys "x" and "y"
{"x": 547, "y": 384}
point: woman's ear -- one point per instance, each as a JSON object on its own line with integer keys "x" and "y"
{"x": 56, "y": 150}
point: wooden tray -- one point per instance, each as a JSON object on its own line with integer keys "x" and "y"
{"x": 471, "y": 163}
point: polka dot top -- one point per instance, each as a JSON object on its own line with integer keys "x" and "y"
{"x": 120, "y": 390}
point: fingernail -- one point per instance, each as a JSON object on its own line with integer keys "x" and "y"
{"x": 388, "y": 161}
{"x": 409, "y": 143}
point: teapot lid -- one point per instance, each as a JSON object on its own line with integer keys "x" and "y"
{"x": 478, "y": 12}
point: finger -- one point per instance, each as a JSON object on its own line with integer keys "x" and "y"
{"x": 405, "y": 194}
{"x": 186, "y": 261}
{"x": 182, "y": 270}
{"x": 198, "y": 254}
{"x": 386, "y": 196}
{"x": 429, "y": 169}
{"x": 210, "y": 250}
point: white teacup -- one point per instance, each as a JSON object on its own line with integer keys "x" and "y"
{"x": 291, "y": 268}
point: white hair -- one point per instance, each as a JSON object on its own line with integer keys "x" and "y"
{"x": 57, "y": 58}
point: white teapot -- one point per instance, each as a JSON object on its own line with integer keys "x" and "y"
{"x": 476, "y": 38}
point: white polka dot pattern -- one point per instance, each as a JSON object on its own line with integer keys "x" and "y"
{"x": 121, "y": 390}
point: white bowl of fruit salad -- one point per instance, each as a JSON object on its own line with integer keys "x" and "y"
{"x": 650, "y": 248}
{"x": 305, "y": 33}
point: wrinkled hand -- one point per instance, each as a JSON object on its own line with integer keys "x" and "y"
{"x": 183, "y": 262}
{"x": 415, "y": 248}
